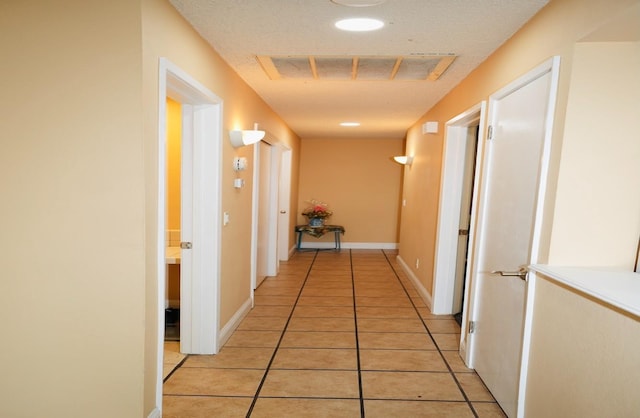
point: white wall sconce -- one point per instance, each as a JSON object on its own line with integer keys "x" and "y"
{"x": 403, "y": 159}
{"x": 240, "y": 138}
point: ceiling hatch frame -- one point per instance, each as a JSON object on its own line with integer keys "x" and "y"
{"x": 419, "y": 67}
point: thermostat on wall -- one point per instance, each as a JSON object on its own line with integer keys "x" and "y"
{"x": 239, "y": 163}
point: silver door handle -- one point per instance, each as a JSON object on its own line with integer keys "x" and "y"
{"x": 185, "y": 245}
{"x": 283, "y": 211}
{"x": 522, "y": 273}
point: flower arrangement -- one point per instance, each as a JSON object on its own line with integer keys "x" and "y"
{"x": 317, "y": 209}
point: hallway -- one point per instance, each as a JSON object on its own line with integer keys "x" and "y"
{"x": 334, "y": 335}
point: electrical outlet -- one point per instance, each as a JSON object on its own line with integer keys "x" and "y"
{"x": 417, "y": 263}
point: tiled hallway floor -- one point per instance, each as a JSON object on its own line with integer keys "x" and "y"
{"x": 334, "y": 335}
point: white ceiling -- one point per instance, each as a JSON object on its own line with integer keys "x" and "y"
{"x": 241, "y": 30}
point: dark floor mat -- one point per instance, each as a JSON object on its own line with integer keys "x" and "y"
{"x": 172, "y": 324}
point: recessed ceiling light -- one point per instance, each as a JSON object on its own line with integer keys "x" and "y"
{"x": 359, "y": 24}
{"x": 358, "y": 3}
{"x": 350, "y": 124}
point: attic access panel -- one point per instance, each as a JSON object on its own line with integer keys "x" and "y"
{"x": 376, "y": 68}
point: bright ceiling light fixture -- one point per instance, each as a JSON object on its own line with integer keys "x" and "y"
{"x": 349, "y": 123}
{"x": 359, "y": 24}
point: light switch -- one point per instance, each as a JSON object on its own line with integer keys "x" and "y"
{"x": 225, "y": 218}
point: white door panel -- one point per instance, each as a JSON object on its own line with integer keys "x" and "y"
{"x": 284, "y": 199}
{"x": 264, "y": 194}
{"x": 519, "y": 118}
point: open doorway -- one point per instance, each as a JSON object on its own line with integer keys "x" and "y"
{"x": 466, "y": 209}
{"x": 271, "y": 201}
{"x": 264, "y": 223}
{"x": 172, "y": 236}
{"x": 456, "y": 213}
{"x": 200, "y": 213}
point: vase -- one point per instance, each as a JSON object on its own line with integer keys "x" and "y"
{"x": 316, "y": 222}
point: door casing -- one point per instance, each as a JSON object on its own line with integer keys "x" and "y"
{"x": 200, "y": 293}
{"x": 451, "y": 190}
{"x": 279, "y": 189}
{"x": 551, "y": 66}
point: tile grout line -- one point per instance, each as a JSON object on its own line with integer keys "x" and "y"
{"x": 175, "y": 368}
{"x": 277, "y": 347}
{"x": 453, "y": 375}
{"x": 355, "y": 321}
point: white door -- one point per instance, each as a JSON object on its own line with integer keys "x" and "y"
{"x": 186, "y": 226}
{"x": 465, "y": 217}
{"x": 264, "y": 203}
{"x": 200, "y": 288}
{"x": 460, "y": 137}
{"x": 520, "y": 118}
{"x": 284, "y": 200}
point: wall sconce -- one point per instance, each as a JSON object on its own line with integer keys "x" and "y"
{"x": 240, "y": 138}
{"x": 403, "y": 159}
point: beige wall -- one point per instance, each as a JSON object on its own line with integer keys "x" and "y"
{"x": 553, "y": 31}
{"x": 358, "y": 180}
{"x": 597, "y": 213}
{"x": 174, "y": 144}
{"x": 79, "y": 163}
{"x": 166, "y": 34}
{"x": 72, "y": 252}
{"x": 584, "y": 357}
{"x": 583, "y": 354}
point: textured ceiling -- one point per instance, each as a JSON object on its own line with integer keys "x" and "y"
{"x": 243, "y": 30}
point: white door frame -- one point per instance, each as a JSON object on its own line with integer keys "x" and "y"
{"x": 277, "y": 151}
{"x": 274, "y": 185}
{"x": 552, "y": 65}
{"x": 284, "y": 205}
{"x": 451, "y": 189}
{"x": 199, "y": 298}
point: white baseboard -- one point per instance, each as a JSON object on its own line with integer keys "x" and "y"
{"x": 155, "y": 413}
{"x": 227, "y": 330}
{"x": 422, "y": 291}
{"x": 351, "y": 245}
{"x": 292, "y": 251}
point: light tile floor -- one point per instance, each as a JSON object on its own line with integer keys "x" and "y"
{"x": 335, "y": 334}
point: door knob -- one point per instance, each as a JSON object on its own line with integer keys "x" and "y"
{"x": 283, "y": 211}
{"x": 522, "y": 273}
{"x": 185, "y": 245}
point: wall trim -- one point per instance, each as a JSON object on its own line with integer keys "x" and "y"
{"x": 422, "y": 291}
{"x": 292, "y": 251}
{"x": 230, "y": 327}
{"x": 352, "y": 245}
{"x": 155, "y": 413}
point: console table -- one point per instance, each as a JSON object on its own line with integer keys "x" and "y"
{"x": 319, "y": 231}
